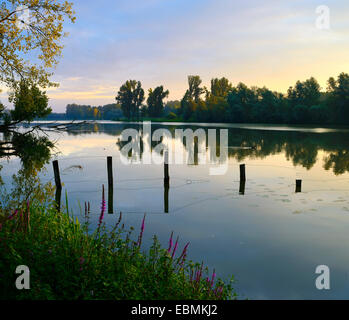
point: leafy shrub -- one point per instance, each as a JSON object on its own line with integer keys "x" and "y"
{"x": 171, "y": 116}
{"x": 67, "y": 261}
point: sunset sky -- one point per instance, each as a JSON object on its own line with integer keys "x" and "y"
{"x": 161, "y": 42}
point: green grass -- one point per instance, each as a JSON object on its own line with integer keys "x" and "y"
{"x": 67, "y": 261}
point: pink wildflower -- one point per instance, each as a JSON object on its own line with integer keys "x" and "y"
{"x": 141, "y": 233}
{"x": 170, "y": 243}
{"x": 213, "y": 277}
{"x": 13, "y": 215}
{"x": 175, "y": 248}
{"x": 102, "y": 207}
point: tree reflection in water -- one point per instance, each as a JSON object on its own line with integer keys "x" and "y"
{"x": 34, "y": 148}
{"x": 34, "y": 151}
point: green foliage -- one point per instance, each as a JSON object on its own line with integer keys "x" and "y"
{"x": 192, "y": 98}
{"x": 304, "y": 103}
{"x": 41, "y": 37}
{"x": 155, "y": 101}
{"x": 171, "y": 116}
{"x": 66, "y": 261}
{"x": 195, "y": 91}
{"x": 339, "y": 98}
{"x": 29, "y": 103}
{"x": 87, "y": 112}
{"x": 26, "y": 186}
{"x": 220, "y": 87}
{"x": 131, "y": 97}
{"x": 305, "y": 93}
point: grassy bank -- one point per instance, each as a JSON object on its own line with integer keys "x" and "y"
{"x": 66, "y": 261}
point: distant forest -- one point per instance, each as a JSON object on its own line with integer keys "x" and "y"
{"x": 304, "y": 103}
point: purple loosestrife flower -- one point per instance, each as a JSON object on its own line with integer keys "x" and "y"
{"x": 184, "y": 250}
{"x": 142, "y": 228}
{"x": 184, "y": 254}
{"x": 175, "y": 248}
{"x": 199, "y": 273}
{"x": 170, "y": 243}
{"x": 213, "y": 277}
{"x": 141, "y": 233}
{"x": 102, "y": 208}
{"x": 219, "y": 292}
{"x": 13, "y": 215}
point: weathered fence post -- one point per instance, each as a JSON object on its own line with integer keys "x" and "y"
{"x": 196, "y": 151}
{"x": 110, "y": 185}
{"x": 166, "y": 171}
{"x": 56, "y": 173}
{"x": 298, "y": 186}
{"x": 242, "y": 179}
{"x": 166, "y": 192}
{"x": 58, "y": 185}
{"x": 242, "y": 172}
{"x": 242, "y": 187}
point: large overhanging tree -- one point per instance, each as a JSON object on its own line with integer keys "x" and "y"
{"x": 31, "y": 33}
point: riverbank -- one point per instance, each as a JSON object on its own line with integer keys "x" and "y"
{"x": 68, "y": 261}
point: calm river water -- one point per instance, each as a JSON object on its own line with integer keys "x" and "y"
{"x": 269, "y": 237}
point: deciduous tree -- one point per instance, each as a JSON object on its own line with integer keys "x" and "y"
{"x": 131, "y": 97}
{"x": 40, "y": 36}
{"x": 155, "y": 101}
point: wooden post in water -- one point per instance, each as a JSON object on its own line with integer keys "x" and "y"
{"x": 56, "y": 173}
{"x": 242, "y": 172}
{"x": 298, "y": 186}
{"x": 166, "y": 192}
{"x": 196, "y": 151}
{"x": 110, "y": 185}
{"x": 242, "y": 187}
{"x": 166, "y": 171}
{"x": 58, "y": 185}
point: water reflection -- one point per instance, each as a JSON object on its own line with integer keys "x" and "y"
{"x": 33, "y": 150}
{"x": 302, "y": 148}
{"x": 270, "y": 237}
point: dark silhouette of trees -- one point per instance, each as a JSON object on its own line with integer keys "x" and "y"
{"x": 338, "y": 98}
{"x": 131, "y": 97}
{"x": 85, "y": 112}
{"x": 155, "y": 101}
{"x": 304, "y": 103}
